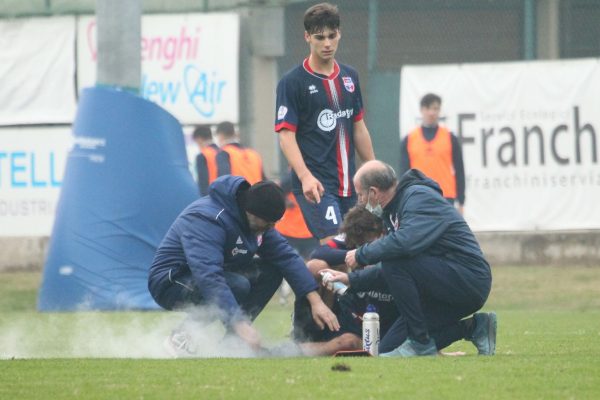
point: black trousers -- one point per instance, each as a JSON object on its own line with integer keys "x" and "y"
{"x": 432, "y": 298}
{"x": 252, "y": 286}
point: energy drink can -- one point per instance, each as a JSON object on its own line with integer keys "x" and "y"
{"x": 337, "y": 287}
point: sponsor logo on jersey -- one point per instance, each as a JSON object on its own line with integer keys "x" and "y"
{"x": 239, "y": 240}
{"x": 327, "y": 119}
{"x": 348, "y": 83}
{"x": 313, "y": 89}
{"x": 236, "y": 250}
{"x": 375, "y": 295}
{"x": 281, "y": 112}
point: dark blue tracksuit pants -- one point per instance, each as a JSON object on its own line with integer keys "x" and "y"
{"x": 252, "y": 286}
{"x": 432, "y": 297}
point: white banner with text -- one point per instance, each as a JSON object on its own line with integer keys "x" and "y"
{"x": 32, "y": 163}
{"x": 189, "y": 64}
{"x": 530, "y": 135}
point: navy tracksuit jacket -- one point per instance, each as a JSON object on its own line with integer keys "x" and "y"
{"x": 212, "y": 236}
{"x": 431, "y": 263}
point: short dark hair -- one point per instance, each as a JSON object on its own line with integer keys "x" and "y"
{"x": 202, "y": 132}
{"x": 321, "y": 16}
{"x": 226, "y": 128}
{"x": 360, "y": 226}
{"x": 429, "y": 99}
{"x": 381, "y": 178}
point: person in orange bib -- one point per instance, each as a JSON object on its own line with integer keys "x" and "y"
{"x": 235, "y": 159}
{"x": 206, "y": 160}
{"x": 292, "y": 226}
{"x": 434, "y": 150}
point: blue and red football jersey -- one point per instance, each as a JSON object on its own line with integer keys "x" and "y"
{"x": 321, "y": 110}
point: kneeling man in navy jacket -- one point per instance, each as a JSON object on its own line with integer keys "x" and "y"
{"x": 208, "y": 258}
{"x": 431, "y": 263}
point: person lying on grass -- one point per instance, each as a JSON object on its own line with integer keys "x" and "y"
{"x": 359, "y": 227}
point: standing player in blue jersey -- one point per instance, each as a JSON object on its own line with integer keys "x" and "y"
{"x": 320, "y": 124}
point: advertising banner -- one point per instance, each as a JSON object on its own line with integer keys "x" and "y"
{"x": 189, "y": 64}
{"x": 37, "y": 74}
{"x": 530, "y": 135}
{"x": 32, "y": 162}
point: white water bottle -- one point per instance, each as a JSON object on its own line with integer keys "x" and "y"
{"x": 370, "y": 331}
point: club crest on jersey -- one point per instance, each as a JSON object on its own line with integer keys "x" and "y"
{"x": 348, "y": 83}
{"x": 281, "y": 112}
{"x": 340, "y": 237}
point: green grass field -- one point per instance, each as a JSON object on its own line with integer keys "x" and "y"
{"x": 548, "y": 348}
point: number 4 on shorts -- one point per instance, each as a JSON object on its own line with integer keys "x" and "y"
{"x": 330, "y": 215}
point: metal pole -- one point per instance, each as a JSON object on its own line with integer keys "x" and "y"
{"x": 373, "y": 28}
{"x": 119, "y": 37}
{"x": 529, "y": 36}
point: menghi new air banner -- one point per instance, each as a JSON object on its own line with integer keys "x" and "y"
{"x": 189, "y": 63}
{"x": 530, "y": 139}
{"x": 126, "y": 180}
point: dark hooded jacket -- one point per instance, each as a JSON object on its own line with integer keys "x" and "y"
{"x": 212, "y": 235}
{"x": 420, "y": 221}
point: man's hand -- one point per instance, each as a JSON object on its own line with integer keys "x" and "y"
{"x": 351, "y": 259}
{"x": 312, "y": 188}
{"x": 321, "y": 314}
{"x": 336, "y": 276}
{"x": 248, "y": 334}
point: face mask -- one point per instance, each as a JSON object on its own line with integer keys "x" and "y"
{"x": 377, "y": 210}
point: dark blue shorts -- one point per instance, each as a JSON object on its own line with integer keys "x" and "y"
{"x": 325, "y": 219}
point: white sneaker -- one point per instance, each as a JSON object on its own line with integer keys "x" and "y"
{"x": 179, "y": 345}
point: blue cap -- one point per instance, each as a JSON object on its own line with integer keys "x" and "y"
{"x": 371, "y": 308}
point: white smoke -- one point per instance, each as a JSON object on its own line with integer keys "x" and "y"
{"x": 118, "y": 335}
